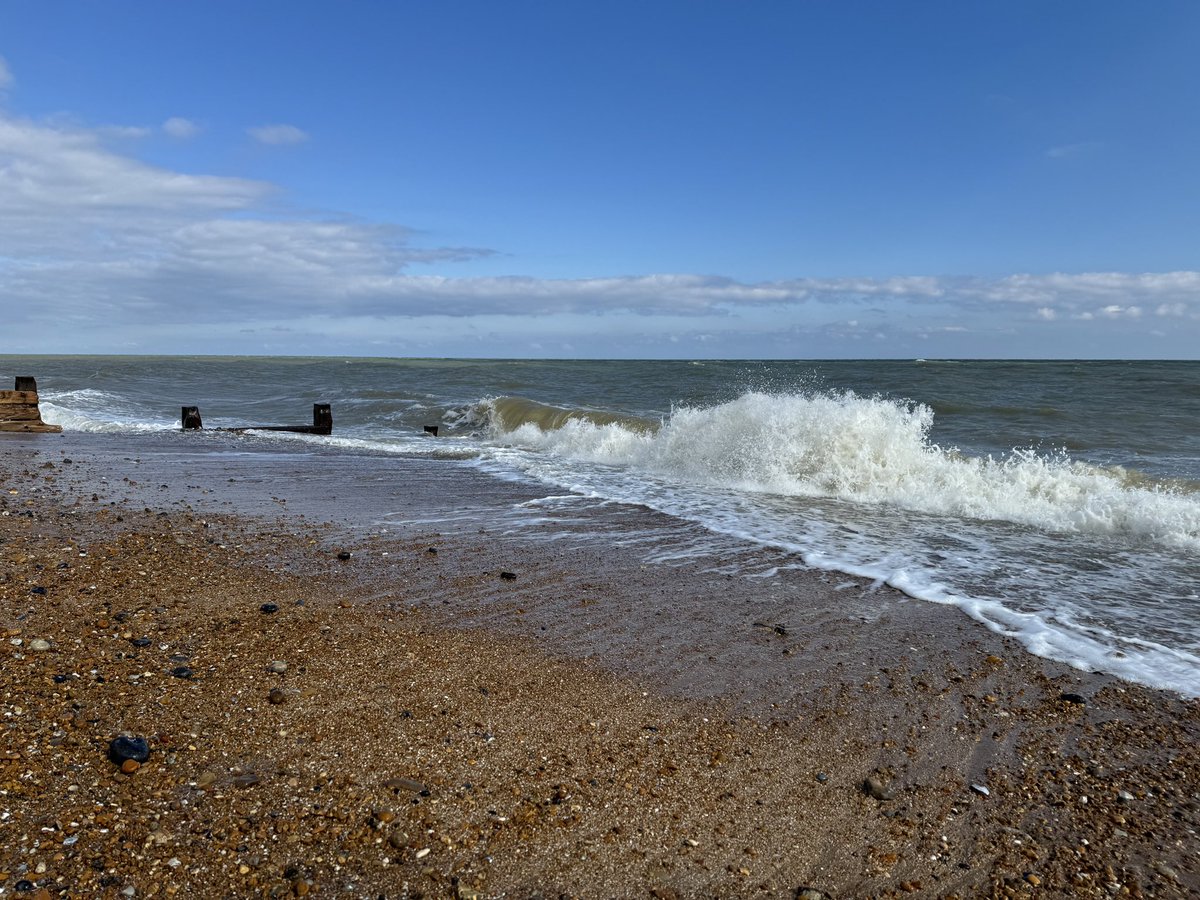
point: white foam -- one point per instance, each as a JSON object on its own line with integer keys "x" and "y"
{"x": 93, "y": 421}
{"x": 1078, "y": 563}
{"x": 871, "y": 450}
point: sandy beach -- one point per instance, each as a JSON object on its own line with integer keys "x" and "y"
{"x": 458, "y": 710}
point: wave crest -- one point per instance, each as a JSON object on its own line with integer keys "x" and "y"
{"x": 500, "y": 415}
{"x": 865, "y": 450}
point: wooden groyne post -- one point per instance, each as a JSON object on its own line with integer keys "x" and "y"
{"x": 19, "y": 409}
{"x": 322, "y": 422}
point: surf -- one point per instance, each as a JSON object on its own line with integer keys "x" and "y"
{"x": 865, "y": 450}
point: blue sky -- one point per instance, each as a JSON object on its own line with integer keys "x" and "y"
{"x": 801, "y": 179}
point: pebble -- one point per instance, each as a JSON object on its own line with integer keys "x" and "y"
{"x": 822, "y": 777}
{"x": 130, "y": 766}
{"x": 1125, "y": 796}
{"x": 810, "y": 893}
{"x": 38, "y": 645}
{"x": 407, "y": 784}
{"x": 1033, "y": 879}
{"x": 182, "y": 672}
{"x": 268, "y": 608}
{"x": 277, "y": 666}
{"x": 344, "y": 555}
{"x": 981, "y": 789}
{"x": 508, "y": 576}
{"x": 122, "y": 748}
{"x": 141, "y": 642}
{"x": 1072, "y": 698}
{"x": 277, "y": 696}
{"x": 1166, "y": 871}
{"x": 875, "y": 787}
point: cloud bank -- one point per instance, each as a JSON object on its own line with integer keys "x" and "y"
{"x": 94, "y": 238}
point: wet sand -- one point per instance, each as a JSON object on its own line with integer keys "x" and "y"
{"x": 596, "y": 725}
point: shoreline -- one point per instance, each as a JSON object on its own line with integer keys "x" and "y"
{"x": 625, "y": 729}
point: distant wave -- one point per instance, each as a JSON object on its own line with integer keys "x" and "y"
{"x": 861, "y": 449}
{"x": 509, "y": 414}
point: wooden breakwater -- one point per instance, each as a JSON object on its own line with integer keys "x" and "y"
{"x": 322, "y": 422}
{"x": 19, "y": 409}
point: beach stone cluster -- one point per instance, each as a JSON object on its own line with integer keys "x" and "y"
{"x": 342, "y": 746}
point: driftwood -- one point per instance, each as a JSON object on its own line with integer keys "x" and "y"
{"x": 322, "y": 422}
{"x": 19, "y": 409}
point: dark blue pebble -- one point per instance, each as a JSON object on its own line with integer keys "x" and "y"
{"x": 123, "y": 748}
{"x": 268, "y": 608}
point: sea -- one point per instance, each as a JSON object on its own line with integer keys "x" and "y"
{"x": 1056, "y": 502}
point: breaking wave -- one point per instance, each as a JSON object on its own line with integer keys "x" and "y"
{"x": 861, "y": 449}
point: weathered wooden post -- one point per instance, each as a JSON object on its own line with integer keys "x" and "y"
{"x": 19, "y": 409}
{"x": 322, "y": 419}
{"x": 191, "y": 418}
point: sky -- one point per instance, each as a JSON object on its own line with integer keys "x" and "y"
{"x": 620, "y": 179}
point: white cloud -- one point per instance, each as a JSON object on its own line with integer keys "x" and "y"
{"x": 178, "y": 127}
{"x": 124, "y": 132}
{"x": 1116, "y": 311}
{"x": 1066, "y": 151}
{"x": 64, "y": 195}
{"x": 277, "y": 134}
{"x": 6, "y": 75}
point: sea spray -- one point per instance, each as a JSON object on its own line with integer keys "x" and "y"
{"x": 870, "y": 450}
